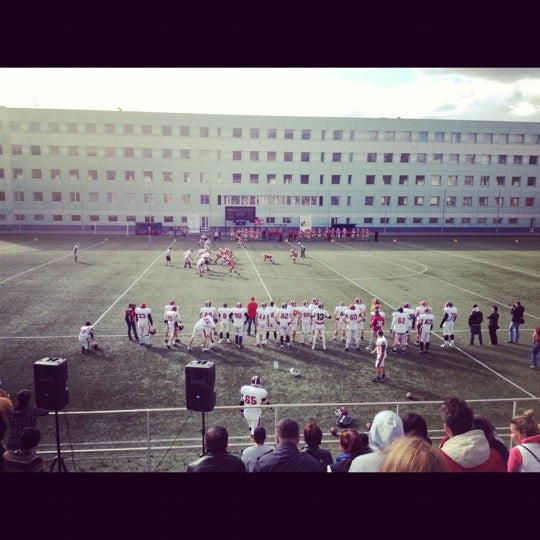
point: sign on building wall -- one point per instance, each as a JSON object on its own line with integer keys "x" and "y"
{"x": 305, "y": 223}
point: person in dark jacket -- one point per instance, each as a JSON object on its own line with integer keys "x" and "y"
{"x": 287, "y": 457}
{"x": 216, "y": 458}
{"x": 481, "y": 422}
{"x": 493, "y": 324}
{"x": 475, "y": 324}
{"x": 22, "y": 416}
{"x": 517, "y": 311}
{"x": 131, "y": 321}
{"x": 313, "y": 437}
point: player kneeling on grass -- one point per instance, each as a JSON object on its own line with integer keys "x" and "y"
{"x": 86, "y": 337}
{"x": 268, "y": 258}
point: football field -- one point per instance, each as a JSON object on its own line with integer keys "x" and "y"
{"x": 46, "y": 297}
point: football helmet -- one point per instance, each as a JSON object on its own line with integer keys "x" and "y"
{"x": 256, "y": 380}
{"x": 207, "y": 303}
{"x": 406, "y": 305}
{"x": 357, "y": 300}
{"x": 315, "y": 300}
{"x": 321, "y": 306}
{"x": 351, "y": 307}
{"x": 427, "y": 309}
{"x": 153, "y": 331}
{"x": 305, "y": 303}
{"x": 239, "y": 304}
{"x": 174, "y": 308}
{"x": 293, "y": 303}
{"x": 294, "y": 372}
{"x": 423, "y": 303}
{"x": 284, "y": 305}
{"x": 263, "y": 305}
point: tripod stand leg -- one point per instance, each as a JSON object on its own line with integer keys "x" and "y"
{"x": 58, "y": 459}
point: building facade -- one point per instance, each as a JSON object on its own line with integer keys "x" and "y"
{"x": 77, "y": 170}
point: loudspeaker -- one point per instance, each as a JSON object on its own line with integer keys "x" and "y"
{"x": 50, "y": 382}
{"x": 200, "y": 380}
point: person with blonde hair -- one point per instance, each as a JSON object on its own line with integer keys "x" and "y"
{"x": 525, "y": 434}
{"x": 413, "y": 454}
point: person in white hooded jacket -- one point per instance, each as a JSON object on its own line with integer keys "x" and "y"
{"x": 386, "y": 427}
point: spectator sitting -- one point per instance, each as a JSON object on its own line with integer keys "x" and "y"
{"x": 313, "y": 438}
{"x": 22, "y": 416}
{"x": 466, "y": 449}
{"x": 351, "y": 445}
{"x": 287, "y": 457}
{"x": 413, "y": 454}
{"x": 481, "y": 422}
{"x": 385, "y": 429}
{"x": 251, "y": 454}
{"x": 25, "y": 458}
{"x": 525, "y": 433}
{"x": 217, "y": 459}
{"x": 5, "y": 405}
{"x": 415, "y": 426}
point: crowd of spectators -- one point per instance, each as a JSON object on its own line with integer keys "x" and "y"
{"x": 393, "y": 443}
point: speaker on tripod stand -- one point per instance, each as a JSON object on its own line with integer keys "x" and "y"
{"x": 52, "y": 393}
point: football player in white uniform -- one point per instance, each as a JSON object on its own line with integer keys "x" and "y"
{"x": 293, "y": 328}
{"x": 380, "y": 350}
{"x": 417, "y": 313}
{"x": 319, "y": 316}
{"x": 205, "y": 329}
{"x": 173, "y": 323}
{"x": 239, "y": 319}
{"x": 272, "y": 321}
{"x": 86, "y": 337}
{"x": 426, "y": 324}
{"x": 361, "y": 308}
{"x": 224, "y": 317}
{"x": 341, "y": 325}
{"x": 253, "y": 394}
{"x": 284, "y": 319}
{"x": 166, "y": 309}
{"x": 352, "y": 320}
{"x": 305, "y": 322}
{"x": 144, "y": 324}
{"x": 261, "y": 328}
{"x": 447, "y": 324}
{"x": 410, "y": 313}
{"x": 187, "y": 258}
{"x": 399, "y": 329}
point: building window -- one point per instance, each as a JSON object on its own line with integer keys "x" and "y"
{"x": 146, "y": 129}
{"x": 74, "y": 197}
{"x": 205, "y": 199}
{"x": 56, "y": 196}
{"x": 435, "y": 180}
{"x": 94, "y": 217}
{"x": 110, "y": 129}
{"x": 237, "y": 155}
{"x": 336, "y": 179}
{"x": 90, "y": 128}
{"x": 338, "y": 134}
{"x": 334, "y": 201}
{"x": 419, "y": 200}
{"x": 129, "y": 152}
{"x": 439, "y": 136}
{"x": 349, "y": 179}
{"x": 434, "y": 200}
{"x": 166, "y": 153}
{"x": 271, "y": 133}
{"x": 512, "y": 221}
{"x": 186, "y": 177}
{"x": 166, "y": 131}
{"x": 368, "y": 201}
{"x": 322, "y": 157}
{"x": 484, "y": 180}
{"x": 304, "y": 156}
{"x": 514, "y": 201}
{"x": 453, "y": 159}
{"x": 237, "y": 133}
{"x": 467, "y": 201}
{"x": 385, "y": 200}
{"x": 349, "y": 200}
{"x": 421, "y": 158}
{"x": 422, "y": 136}
{"x": 37, "y": 195}
{"x": 450, "y": 221}
{"x": 372, "y": 157}
{"x": 184, "y": 153}
{"x": 287, "y": 156}
{"x": 184, "y": 131}
{"x": 502, "y": 138}
{"x": 128, "y": 129}
{"x": 370, "y": 179}
{"x": 57, "y": 217}
{"x": 518, "y": 160}
{"x": 73, "y": 150}
{"x": 112, "y": 198}
{"x": 384, "y": 220}
{"x": 433, "y": 220}
{"x": 35, "y": 150}
{"x": 253, "y": 178}
{"x": 287, "y": 179}
{"x": 129, "y": 176}
{"x": 420, "y": 180}
{"x": 253, "y": 133}
{"x": 130, "y": 198}
{"x": 93, "y": 197}
{"x": 55, "y": 174}
{"x": 481, "y": 220}
{"x": 389, "y": 135}
{"x": 471, "y": 137}
{"x": 402, "y": 201}
{"x": 401, "y": 220}
{"x": 388, "y": 157}
{"x": 437, "y": 159}
{"x": 110, "y": 151}
{"x": 468, "y": 180}
{"x": 36, "y": 174}
{"x": 146, "y": 153}
{"x": 368, "y": 221}
{"x": 271, "y": 156}
{"x": 289, "y": 133}
{"x": 450, "y": 201}
{"x": 167, "y": 176}
{"x": 54, "y": 127}
{"x": 73, "y": 174}
{"x": 482, "y": 201}
{"x": 417, "y": 220}
{"x": 404, "y": 135}
{"x": 304, "y": 179}
{"x": 306, "y": 134}
{"x": 54, "y": 150}
{"x": 404, "y": 158}
{"x": 465, "y": 220}
{"x": 404, "y": 180}
{"x": 254, "y": 155}
{"x": 17, "y": 174}
{"x": 518, "y": 138}
{"x": 91, "y": 151}
{"x": 111, "y": 175}
{"x": 452, "y": 180}
{"x": 516, "y": 181}
{"x": 487, "y": 138}
{"x": 531, "y": 181}
{"x": 529, "y": 201}
{"x": 270, "y": 178}
{"x": 501, "y": 159}
{"x": 72, "y": 127}
{"x": 533, "y": 160}
{"x": 470, "y": 159}
{"x": 387, "y": 179}
{"x": 500, "y": 180}
{"x": 18, "y": 196}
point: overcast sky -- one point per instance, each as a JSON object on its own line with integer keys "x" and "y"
{"x": 505, "y": 94}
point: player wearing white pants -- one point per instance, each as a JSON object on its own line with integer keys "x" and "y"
{"x": 86, "y": 337}
{"x": 144, "y": 324}
{"x": 253, "y": 394}
{"x": 426, "y": 324}
{"x": 352, "y": 320}
{"x": 447, "y": 324}
{"x": 205, "y": 329}
{"x": 319, "y": 317}
{"x": 262, "y": 325}
{"x": 380, "y": 350}
{"x": 239, "y": 318}
{"x": 341, "y": 324}
{"x": 173, "y": 322}
{"x": 224, "y": 317}
{"x": 399, "y": 328}
{"x": 305, "y": 323}
{"x": 272, "y": 321}
{"x": 284, "y": 318}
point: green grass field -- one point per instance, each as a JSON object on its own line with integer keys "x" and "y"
{"x": 46, "y": 297}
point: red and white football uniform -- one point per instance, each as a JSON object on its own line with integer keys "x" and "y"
{"x": 352, "y": 318}
{"x": 144, "y": 323}
{"x": 253, "y": 395}
{"x": 319, "y": 317}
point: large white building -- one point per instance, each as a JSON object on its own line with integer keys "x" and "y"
{"x": 73, "y": 169}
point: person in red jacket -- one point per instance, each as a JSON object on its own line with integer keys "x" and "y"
{"x": 466, "y": 449}
{"x": 252, "y": 315}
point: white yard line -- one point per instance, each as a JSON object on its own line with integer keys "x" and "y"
{"x": 258, "y": 275}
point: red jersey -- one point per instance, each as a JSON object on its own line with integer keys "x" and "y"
{"x": 377, "y": 322}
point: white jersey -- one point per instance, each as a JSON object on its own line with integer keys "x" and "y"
{"x": 211, "y": 311}
{"x": 284, "y": 316}
{"x": 143, "y": 314}
{"x": 419, "y": 311}
{"x": 253, "y": 395}
{"x": 306, "y": 314}
{"x": 85, "y": 331}
{"x": 272, "y": 317}
{"x": 319, "y": 317}
{"x": 224, "y": 313}
{"x": 339, "y": 312}
{"x": 452, "y": 314}
{"x": 381, "y": 313}
{"x": 166, "y": 309}
{"x": 353, "y": 318}
{"x": 426, "y": 320}
{"x": 205, "y": 324}
{"x": 399, "y": 322}
{"x": 262, "y": 319}
{"x": 411, "y": 317}
{"x": 362, "y": 310}
{"x": 187, "y": 255}
{"x": 295, "y": 316}
{"x": 239, "y": 316}
{"x": 381, "y": 346}
{"x": 173, "y": 319}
